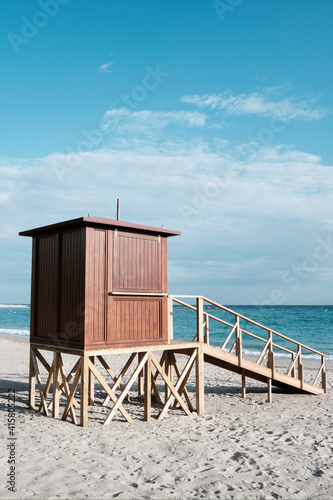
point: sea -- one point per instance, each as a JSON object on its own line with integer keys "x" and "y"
{"x": 310, "y": 325}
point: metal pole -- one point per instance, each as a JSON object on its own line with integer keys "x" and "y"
{"x": 118, "y": 209}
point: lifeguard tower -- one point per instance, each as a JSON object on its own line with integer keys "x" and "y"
{"x": 99, "y": 288}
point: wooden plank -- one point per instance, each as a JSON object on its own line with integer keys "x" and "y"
{"x": 66, "y": 388}
{"x": 85, "y": 363}
{"x": 183, "y": 386}
{"x": 39, "y": 381}
{"x": 140, "y": 378}
{"x": 127, "y": 388}
{"x": 117, "y": 380}
{"x": 269, "y": 390}
{"x": 200, "y": 386}
{"x": 200, "y": 334}
{"x": 148, "y": 386}
{"x": 32, "y": 382}
{"x": 168, "y": 381}
{"x": 243, "y": 385}
{"x": 108, "y": 390}
{"x": 72, "y": 391}
{"x": 56, "y": 385}
{"x": 91, "y": 388}
{"x": 42, "y": 360}
{"x": 324, "y": 381}
{"x": 178, "y": 385}
{"x": 47, "y": 387}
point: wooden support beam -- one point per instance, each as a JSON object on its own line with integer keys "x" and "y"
{"x": 200, "y": 387}
{"x": 179, "y": 383}
{"x": 39, "y": 381}
{"x": 117, "y": 380}
{"x": 84, "y": 391}
{"x": 243, "y": 385}
{"x": 125, "y": 391}
{"x": 66, "y": 387}
{"x": 140, "y": 378}
{"x": 200, "y": 333}
{"x": 168, "y": 381}
{"x": 32, "y": 382}
{"x": 73, "y": 390}
{"x": 47, "y": 387}
{"x": 148, "y": 385}
{"x": 269, "y": 390}
{"x": 91, "y": 388}
{"x": 56, "y": 385}
{"x": 169, "y": 373}
{"x": 109, "y": 391}
{"x": 183, "y": 385}
{"x": 324, "y": 381}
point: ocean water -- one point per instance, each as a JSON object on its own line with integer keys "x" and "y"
{"x": 310, "y": 325}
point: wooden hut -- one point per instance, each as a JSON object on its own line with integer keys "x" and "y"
{"x": 98, "y": 283}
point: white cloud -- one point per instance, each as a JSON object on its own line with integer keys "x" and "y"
{"x": 138, "y": 121}
{"x": 105, "y": 68}
{"x": 263, "y": 103}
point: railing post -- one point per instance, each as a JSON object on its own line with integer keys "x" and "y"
{"x": 271, "y": 365}
{"x": 238, "y": 341}
{"x": 170, "y": 319}
{"x": 200, "y": 319}
{"x": 293, "y": 371}
{"x": 206, "y": 328}
{"x": 300, "y": 366}
{"x": 323, "y": 375}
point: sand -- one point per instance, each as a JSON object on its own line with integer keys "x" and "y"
{"x": 241, "y": 448}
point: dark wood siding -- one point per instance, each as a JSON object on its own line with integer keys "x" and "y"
{"x": 71, "y": 287}
{"x": 136, "y": 320}
{"x": 137, "y": 263}
{"x": 45, "y": 288}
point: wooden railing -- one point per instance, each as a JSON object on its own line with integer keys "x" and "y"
{"x": 233, "y": 341}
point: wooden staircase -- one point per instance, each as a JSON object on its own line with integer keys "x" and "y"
{"x": 231, "y": 354}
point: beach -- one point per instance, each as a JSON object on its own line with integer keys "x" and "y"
{"x": 240, "y": 448}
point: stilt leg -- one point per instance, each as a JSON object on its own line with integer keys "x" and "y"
{"x": 200, "y": 403}
{"x": 91, "y": 397}
{"x": 84, "y": 391}
{"x": 56, "y": 385}
{"x": 148, "y": 378}
{"x": 140, "y": 378}
{"x": 32, "y": 383}
{"x": 243, "y": 385}
{"x": 269, "y": 390}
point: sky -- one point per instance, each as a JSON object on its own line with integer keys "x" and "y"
{"x": 213, "y": 118}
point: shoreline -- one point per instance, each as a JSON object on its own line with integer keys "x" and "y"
{"x": 14, "y": 306}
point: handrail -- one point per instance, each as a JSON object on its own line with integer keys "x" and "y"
{"x": 269, "y": 344}
{"x": 219, "y": 306}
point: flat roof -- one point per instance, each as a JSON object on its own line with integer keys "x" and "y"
{"x": 98, "y": 222}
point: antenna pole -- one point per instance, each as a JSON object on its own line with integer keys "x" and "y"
{"x": 118, "y": 209}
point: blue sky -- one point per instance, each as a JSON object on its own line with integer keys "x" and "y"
{"x": 209, "y": 117}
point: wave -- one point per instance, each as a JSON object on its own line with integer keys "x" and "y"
{"x": 14, "y": 331}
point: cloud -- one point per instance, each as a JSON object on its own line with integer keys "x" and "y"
{"x": 105, "y": 68}
{"x": 262, "y": 103}
{"x": 126, "y": 121}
